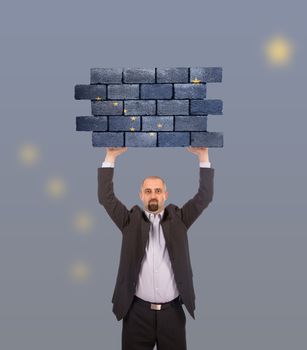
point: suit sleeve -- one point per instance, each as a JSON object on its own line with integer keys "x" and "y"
{"x": 106, "y": 197}
{"x": 192, "y": 209}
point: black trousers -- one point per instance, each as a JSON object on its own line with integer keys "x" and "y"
{"x": 143, "y": 328}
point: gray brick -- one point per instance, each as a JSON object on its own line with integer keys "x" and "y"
{"x": 156, "y": 123}
{"x": 140, "y": 107}
{"x": 107, "y": 139}
{"x": 119, "y": 123}
{"x": 190, "y": 91}
{"x": 173, "y": 139}
{"x": 106, "y": 75}
{"x": 205, "y": 107}
{"x": 125, "y": 91}
{"x": 90, "y": 92}
{"x": 173, "y": 107}
{"x": 206, "y": 74}
{"x": 173, "y": 75}
{"x": 207, "y": 139}
{"x": 140, "y": 139}
{"x": 190, "y": 123}
{"x": 156, "y": 91}
{"x": 139, "y": 75}
{"x": 107, "y": 108}
{"x": 91, "y": 123}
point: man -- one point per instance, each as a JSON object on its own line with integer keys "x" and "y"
{"x": 155, "y": 275}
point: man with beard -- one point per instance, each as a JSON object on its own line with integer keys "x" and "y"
{"x": 155, "y": 275}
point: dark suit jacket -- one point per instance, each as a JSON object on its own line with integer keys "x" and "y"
{"x": 135, "y": 225}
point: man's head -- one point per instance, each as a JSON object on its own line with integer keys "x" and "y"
{"x": 153, "y": 193}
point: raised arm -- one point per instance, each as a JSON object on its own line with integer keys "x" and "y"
{"x": 191, "y": 210}
{"x": 114, "y": 207}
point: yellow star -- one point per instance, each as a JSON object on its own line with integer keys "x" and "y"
{"x": 278, "y": 51}
{"x": 79, "y": 271}
{"x": 29, "y": 154}
{"x": 132, "y": 118}
{"x": 195, "y": 81}
{"x": 152, "y": 134}
{"x": 115, "y": 103}
{"x": 159, "y": 125}
{"x": 98, "y": 98}
{"x": 55, "y": 187}
{"x": 83, "y": 222}
{"x": 132, "y": 129}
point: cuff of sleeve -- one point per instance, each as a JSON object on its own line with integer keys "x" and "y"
{"x": 107, "y": 165}
{"x": 205, "y": 164}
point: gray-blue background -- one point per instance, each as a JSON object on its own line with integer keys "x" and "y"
{"x": 248, "y": 249}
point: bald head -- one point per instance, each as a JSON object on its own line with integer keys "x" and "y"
{"x": 154, "y": 178}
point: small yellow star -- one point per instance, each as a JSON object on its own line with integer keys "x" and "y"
{"x": 55, "y": 187}
{"x": 195, "y": 81}
{"x": 80, "y": 271}
{"x": 132, "y": 118}
{"x": 152, "y": 134}
{"x": 159, "y": 125}
{"x": 29, "y": 154}
{"x": 98, "y": 98}
{"x": 132, "y": 129}
{"x": 125, "y": 111}
{"x": 115, "y": 103}
{"x": 279, "y": 51}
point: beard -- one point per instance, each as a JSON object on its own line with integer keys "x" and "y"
{"x": 153, "y": 206}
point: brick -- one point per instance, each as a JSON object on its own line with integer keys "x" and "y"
{"x": 122, "y": 92}
{"x": 119, "y": 123}
{"x": 205, "y": 107}
{"x": 206, "y": 74}
{"x": 106, "y": 75}
{"x": 107, "y": 139}
{"x": 190, "y": 123}
{"x": 156, "y": 123}
{"x": 90, "y": 92}
{"x": 140, "y": 139}
{"x": 139, "y": 75}
{"x": 173, "y": 107}
{"x": 156, "y": 91}
{"x": 91, "y": 123}
{"x": 190, "y": 91}
{"x": 173, "y": 75}
{"x": 173, "y": 139}
{"x": 140, "y": 107}
{"x": 107, "y": 108}
{"x": 207, "y": 139}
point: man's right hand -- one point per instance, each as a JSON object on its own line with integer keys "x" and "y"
{"x": 113, "y": 152}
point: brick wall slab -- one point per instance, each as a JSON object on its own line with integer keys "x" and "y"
{"x": 150, "y": 107}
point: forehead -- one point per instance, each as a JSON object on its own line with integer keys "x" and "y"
{"x": 153, "y": 183}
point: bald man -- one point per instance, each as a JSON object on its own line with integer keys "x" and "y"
{"x": 155, "y": 276}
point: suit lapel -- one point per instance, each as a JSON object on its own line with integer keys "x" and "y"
{"x": 145, "y": 226}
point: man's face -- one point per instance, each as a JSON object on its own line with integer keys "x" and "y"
{"x": 153, "y": 195}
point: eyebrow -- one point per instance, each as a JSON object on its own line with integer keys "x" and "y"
{"x": 156, "y": 188}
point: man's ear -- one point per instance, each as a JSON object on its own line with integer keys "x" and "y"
{"x": 166, "y": 195}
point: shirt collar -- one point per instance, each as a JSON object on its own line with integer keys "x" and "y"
{"x": 148, "y": 213}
